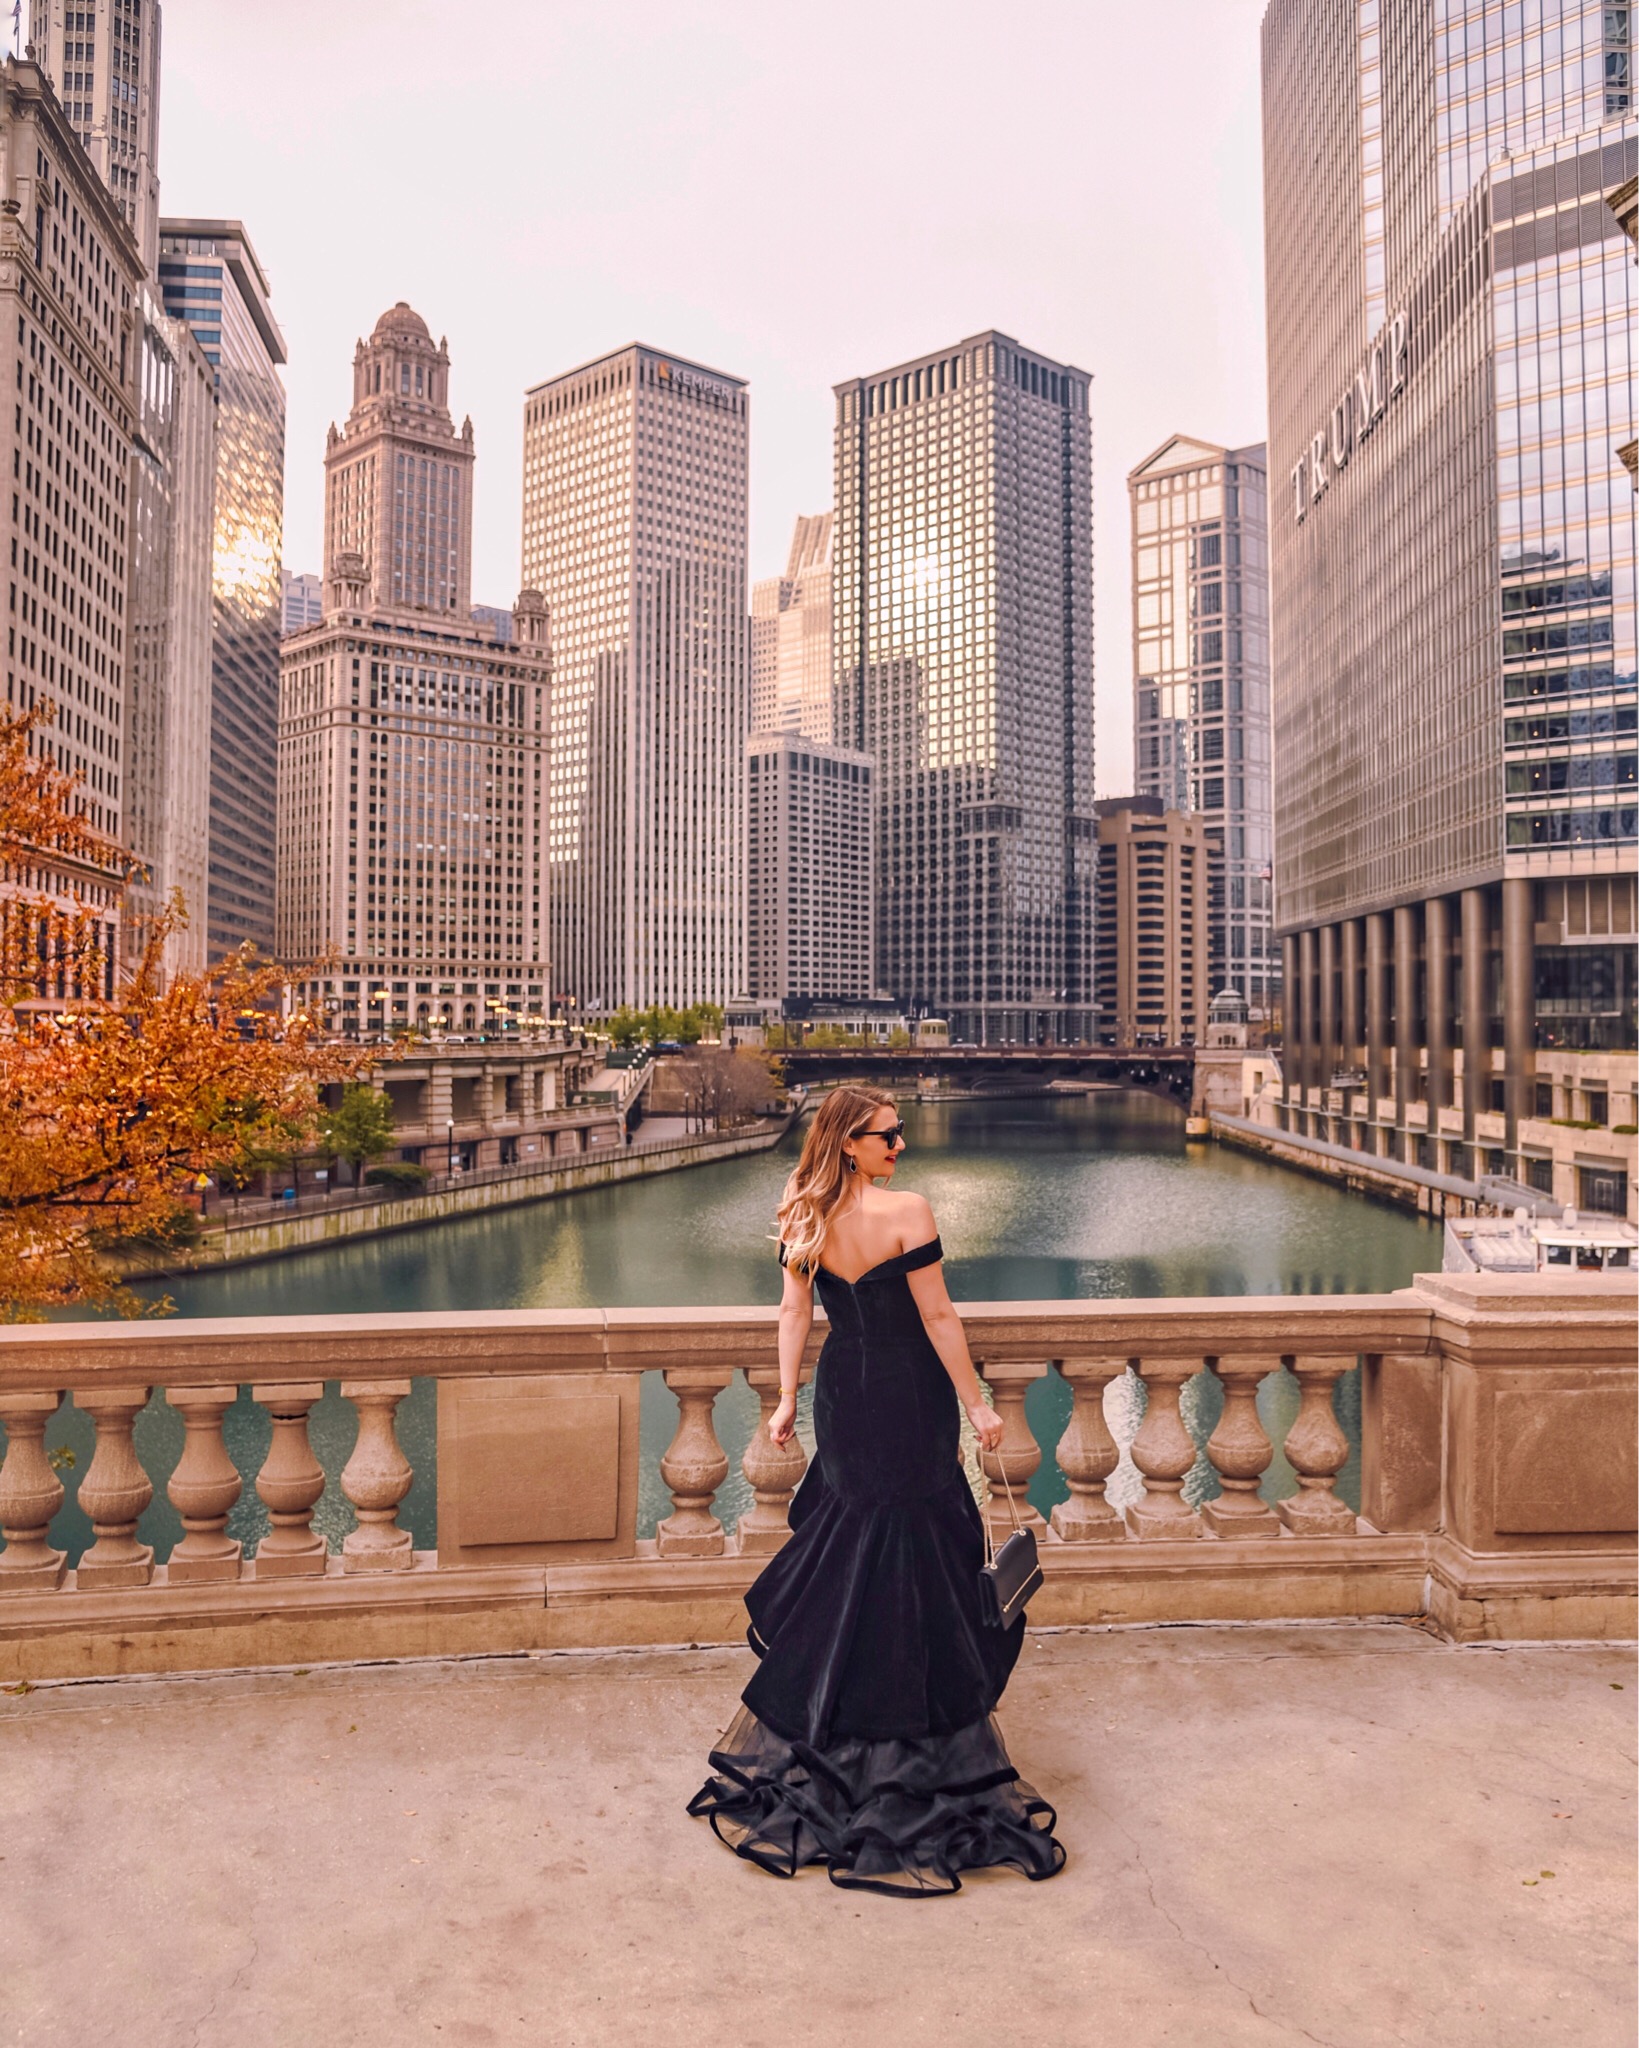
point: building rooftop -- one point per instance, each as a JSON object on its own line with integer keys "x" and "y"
{"x": 1340, "y": 1834}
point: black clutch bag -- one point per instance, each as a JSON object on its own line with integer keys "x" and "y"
{"x": 1010, "y": 1575}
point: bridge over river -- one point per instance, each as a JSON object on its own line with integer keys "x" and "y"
{"x": 1167, "y": 1069}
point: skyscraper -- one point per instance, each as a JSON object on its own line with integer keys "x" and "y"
{"x": 808, "y": 866}
{"x": 166, "y": 748}
{"x": 964, "y": 668}
{"x": 1153, "y": 943}
{"x": 69, "y": 279}
{"x": 211, "y": 279}
{"x": 1451, "y": 322}
{"x": 635, "y": 531}
{"x": 1200, "y": 527}
{"x": 301, "y": 598}
{"x": 398, "y": 476}
{"x": 412, "y": 739}
{"x": 791, "y": 650}
{"x": 104, "y": 57}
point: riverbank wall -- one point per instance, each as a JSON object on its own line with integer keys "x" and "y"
{"x": 1435, "y": 1195}
{"x": 280, "y": 1237}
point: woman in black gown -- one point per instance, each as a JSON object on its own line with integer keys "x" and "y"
{"x": 867, "y": 1740}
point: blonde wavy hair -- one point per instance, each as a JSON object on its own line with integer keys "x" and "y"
{"x": 820, "y": 1182}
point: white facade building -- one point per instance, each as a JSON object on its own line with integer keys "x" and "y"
{"x": 103, "y": 56}
{"x": 412, "y": 777}
{"x": 809, "y": 923}
{"x": 791, "y": 645}
{"x": 634, "y": 529}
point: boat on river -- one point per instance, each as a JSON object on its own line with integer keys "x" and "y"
{"x": 1523, "y": 1243}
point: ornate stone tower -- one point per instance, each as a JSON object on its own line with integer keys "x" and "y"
{"x": 398, "y": 477}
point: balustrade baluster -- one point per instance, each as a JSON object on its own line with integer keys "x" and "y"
{"x": 376, "y": 1478}
{"x": 694, "y": 1466}
{"x": 114, "y": 1492}
{"x": 204, "y": 1488}
{"x": 290, "y": 1482}
{"x": 1087, "y": 1455}
{"x": 1164, "y": 1452}
{"x": 1018, "y": 1453}
{"x": 772, "y": 1471}
{"x": 1240, "y": 1451}
{"x": 1317, "y": 1450}
{"x": 30, "y": 1494}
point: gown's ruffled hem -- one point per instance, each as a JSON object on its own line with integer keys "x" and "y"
{"x": 904, "y": 1817}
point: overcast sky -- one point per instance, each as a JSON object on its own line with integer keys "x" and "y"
{"x": 795, "y": 195}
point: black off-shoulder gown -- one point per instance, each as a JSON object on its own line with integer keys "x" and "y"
{"x": 867, "y": 1739}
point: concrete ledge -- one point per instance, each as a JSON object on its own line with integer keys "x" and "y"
{"x": 1563, "y": 1596}
{"x": 277, "y": 1238}
{"x": 1409, "y": 1187}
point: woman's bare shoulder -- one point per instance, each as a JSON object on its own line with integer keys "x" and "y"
{"x": 912, "y": 1214}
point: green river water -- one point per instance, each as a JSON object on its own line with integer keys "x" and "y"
{"x": 1037, "y": 1198}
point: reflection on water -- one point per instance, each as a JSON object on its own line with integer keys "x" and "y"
{"x": 1055, "y": 1198}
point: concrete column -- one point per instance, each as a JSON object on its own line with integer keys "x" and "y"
{"x": 1328, "y": 1004}
{"x": 1405, "y": 1008}
{"x": 1439, "y": 963}
{"x": 1353, "y": 1034}
{"x": 1377, "y": 1006}
{"x": 1476, "y": 1034}
{"x": 436, "y": 1096}
{"x": 1518, "y": 1002}
{"x": 1306, "y": 981}
{"x": 1291, "y": 1008}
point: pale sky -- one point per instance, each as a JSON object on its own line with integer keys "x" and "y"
{"x": 794, "y": 195}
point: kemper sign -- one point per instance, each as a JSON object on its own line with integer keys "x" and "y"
{"x": 690, "y": 380}
{"x": 1379, "y": 379}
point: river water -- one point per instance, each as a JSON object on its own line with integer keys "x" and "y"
{"x": 1038, "y": 1198}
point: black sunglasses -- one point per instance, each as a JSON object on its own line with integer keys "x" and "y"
{"x": 892, "y": 1136}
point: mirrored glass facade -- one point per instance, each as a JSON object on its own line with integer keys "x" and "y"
{"x": 211, "y": 279}
{"x": 1201, "y": 739}
{"x": 964, "y": 668}
{"x": 1451, "y": 320}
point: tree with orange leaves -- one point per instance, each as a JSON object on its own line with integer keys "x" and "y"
{"x": 118, "y": 1088}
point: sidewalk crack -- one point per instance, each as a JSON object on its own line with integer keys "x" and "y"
{"x": 1200, "y": 1948}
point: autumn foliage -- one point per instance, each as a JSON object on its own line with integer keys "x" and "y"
{"x": 118, "y": 1088}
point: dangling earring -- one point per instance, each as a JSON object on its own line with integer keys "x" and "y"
{"x": 851, "y": 1162}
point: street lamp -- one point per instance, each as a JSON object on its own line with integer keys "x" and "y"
{"x": 449, "y": 1157}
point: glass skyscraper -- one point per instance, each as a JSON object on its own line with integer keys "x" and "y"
{"x": 962, "y": 581}
{"x": 210, "y": 278}
{"x": 1451, "y": 323}
{"x": 1200, "y": 538}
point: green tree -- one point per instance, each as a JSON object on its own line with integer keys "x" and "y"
{"x": 360, "y": 1127}
{"x": 626, "y": 1027}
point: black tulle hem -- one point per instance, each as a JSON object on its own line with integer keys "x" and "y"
{"x": 905, "y": 1817}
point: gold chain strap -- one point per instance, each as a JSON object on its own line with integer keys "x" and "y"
{"x": 990, "y": 1537}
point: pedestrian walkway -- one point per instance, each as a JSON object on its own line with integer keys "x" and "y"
{"x": 1352, "y": 1836}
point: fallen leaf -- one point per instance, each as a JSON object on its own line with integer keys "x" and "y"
{"x": 1617, "y": 1688}
{"x": 21, "y": 1689}
{"x": 1545, "y": 1873}
{"x": 1527, "y": 1880}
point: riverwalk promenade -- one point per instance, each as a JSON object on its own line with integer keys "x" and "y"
{"x": 1349, "y": 1835}
{"x": 1346, "y": 1770}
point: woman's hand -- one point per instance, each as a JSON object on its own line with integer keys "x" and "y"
{"x": 783, "y": 1422}
{"x": 987, "y": 1424}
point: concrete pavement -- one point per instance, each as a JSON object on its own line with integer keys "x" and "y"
{"x": 1331, "y": 1834}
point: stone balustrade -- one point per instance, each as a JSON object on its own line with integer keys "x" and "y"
{"x": 1497, "y": 1473}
